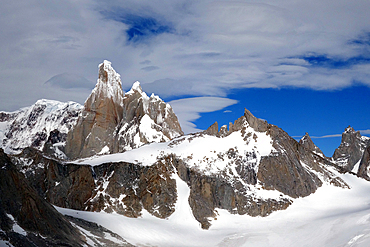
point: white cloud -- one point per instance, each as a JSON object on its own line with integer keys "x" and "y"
{"x": 365, "y": 132}
{"x": 188, "y": 110}
{"x": 326, "y": 136}
{"x": 214, "y": 45}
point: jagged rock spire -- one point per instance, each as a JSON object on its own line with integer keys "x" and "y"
{"x": 351, "y": 149}
{"x": 103, "y": 110}
{"x": 112, "y": 121}
{"x": 307, "y": 142}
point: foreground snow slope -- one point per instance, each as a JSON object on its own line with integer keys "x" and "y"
{"x": 332, "y": 216}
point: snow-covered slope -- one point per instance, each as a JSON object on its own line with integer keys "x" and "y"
{"x": 253, "y": 168}
{"x": 31, "y": 126}
{"x": 331, "y": 217}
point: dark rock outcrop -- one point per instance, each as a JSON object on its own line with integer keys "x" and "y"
{"x": 364, "y": 168}
{"x": 20, "y": 204}
{"x": 351, "y": 149}
{"x": 121, "y": 187}
{"x": 98, "y": 234}
{"x": 207, "y": 193}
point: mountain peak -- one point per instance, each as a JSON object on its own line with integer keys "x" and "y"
{"x": 103, "y": 111}
{"x": 108, "y": 85}
{"x": 256, "y": 123}
{"x": 307, "y": 142}
{"x": 115, "y": 122}
{"x": 106, "y": 70}
{"x": 349, "y": 129}
{"x": 350, "y": 150}
{"x": 136, "y": 87}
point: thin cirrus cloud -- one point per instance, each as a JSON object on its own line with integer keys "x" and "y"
{"x": 188, "y": 110}
{"x": 363, "y": 132}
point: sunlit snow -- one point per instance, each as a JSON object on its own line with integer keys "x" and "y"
{"x": 332, "y": 216}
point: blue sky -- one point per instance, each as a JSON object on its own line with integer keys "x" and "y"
{"x": 323, "y": 113}
{"x": 301, "y": 65}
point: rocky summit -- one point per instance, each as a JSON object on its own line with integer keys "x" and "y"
{"x": 112, "y": 121}
{"x": 307, "y": 142}
{"x": 352, "y": 147}
{"x": 125, "y": 154}
{"x": 102, "y": 112}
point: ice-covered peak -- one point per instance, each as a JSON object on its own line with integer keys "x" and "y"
{"x": 108, "y": 75}
{"x": 31, "y": 126}
{"x": 108, "y": 86}
{"x": 137, "y": 87}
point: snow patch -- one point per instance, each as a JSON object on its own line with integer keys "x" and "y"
{"x": 16, "y": 227}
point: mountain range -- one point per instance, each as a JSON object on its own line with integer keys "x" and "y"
{"x": 125, "y": 155}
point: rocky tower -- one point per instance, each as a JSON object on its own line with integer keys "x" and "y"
{"x": 115, "y": 122}
{"x": 102, "y": 112}
{"x": 351, "y": 149}
{"x": 145, "y": 120}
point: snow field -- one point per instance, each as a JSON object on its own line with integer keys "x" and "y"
{"x": 332, "y": 216}
{"x": 202, "y": 152}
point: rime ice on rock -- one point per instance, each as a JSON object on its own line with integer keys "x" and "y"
{"x": 146, "y": 119}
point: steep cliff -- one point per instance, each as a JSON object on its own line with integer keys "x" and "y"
{"x": 101, "y": 113}
{"x": 26, "y": 219}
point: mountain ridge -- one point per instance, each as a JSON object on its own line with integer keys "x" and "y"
{"x": 125, "y": 153}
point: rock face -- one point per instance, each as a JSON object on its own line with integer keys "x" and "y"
{"x": 115, "y": 122}
{"x": 101, "y": 114}
{"x": 290, "y": 166}
{"x": 22, "y": 208}
{"x": 146, "y": 119}
{"x": 364, "y": 167}
{"x": 122, "y": 187}
{"x": 351, "y": 149}
{"x": 33, "y": 126}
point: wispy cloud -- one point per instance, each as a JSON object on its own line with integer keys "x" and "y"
{"x": 326, "y": 136}
{"x": 362, "y": 132}
{"x": 365, "y": 132}
{"x": 188, "y": 110}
